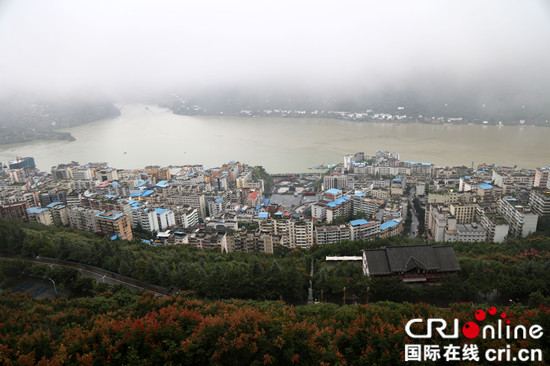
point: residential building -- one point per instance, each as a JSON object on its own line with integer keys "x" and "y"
{"x": 539, "y": 200}
{"x": 541, "y": 178}
{"x": 496, "y": 227}
{"x": 15, "y": 211}
{"x": 82, "y": 173}
{"x": 521, "y": 219}
{"x": 330, "y": 234}
{"x": 465, "y": 214}
{"x": 420, "y": 189}
{"x": 165, "y": 218}
{"x": 335, "y": 180}
{"x": 363, "y": 229}
{"x": 106, "y": 174}
{"x": 17, "y": 175}
{"x": 41, "y": 215}
{"x": 188, "y": 218}
{"x": 250, "y": 242}
{"x": 391, "y": 228}
{"x": 366, "y": 205}
{"x": 114, "y": 224}
{"x": 59, "y": 213}
{"x": 464, "y": 232}
{"x": 380, "y": 194}
{"x": 446, "y": 197}
{"x": 82, "y": 218}
{"x": 342, "y": 207}
{"x": 146, "y": 217}
{"x": 319, "y": 210}
{"x": 436, "y": 221}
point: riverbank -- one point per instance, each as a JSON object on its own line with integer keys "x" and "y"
{"x": 156, "y": 136}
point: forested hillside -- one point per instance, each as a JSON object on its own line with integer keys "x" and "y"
{"x": 516, "y": 270}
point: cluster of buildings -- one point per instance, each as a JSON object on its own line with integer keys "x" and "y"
{"x": 491, "y": 203}
{"x": 229, "y": 208}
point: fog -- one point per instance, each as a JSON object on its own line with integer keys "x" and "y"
{"x": 120, "y": 48}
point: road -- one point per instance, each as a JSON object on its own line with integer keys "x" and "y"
{"x": 99, "y": 275}
{"x": 414, "y": 223}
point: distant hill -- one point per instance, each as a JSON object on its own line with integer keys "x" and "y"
{"x": 438, "y": 101}
{"x": 26, "y": 119}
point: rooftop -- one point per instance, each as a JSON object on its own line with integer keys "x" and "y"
{"x": 358, "y": 222}
{"x": 485, "y": 187}
{"x": 333, "y": 191}
{"x": 111, "y": 215}
{"x": 263, "y": 215}
{"x": 36, "y": 210}
{"x": 390, "y": 223}
{"x": 338, "y": 201}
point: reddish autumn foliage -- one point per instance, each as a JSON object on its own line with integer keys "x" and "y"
{"x": 121, "y": 328}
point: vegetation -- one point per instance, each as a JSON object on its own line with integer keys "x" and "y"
{"x": 258, "y": 172}
{"x": 23, "y": 120}
{"x": 513, "y": 270}
{"x": 114, "y": 326}
{"x": 121, "y": 328}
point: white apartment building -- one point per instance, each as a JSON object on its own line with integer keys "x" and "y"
{"x": 520, "y": 217}
{"x": 82, "y": 218}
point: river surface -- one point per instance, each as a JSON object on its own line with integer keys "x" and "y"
{"x": 148, "y": 135}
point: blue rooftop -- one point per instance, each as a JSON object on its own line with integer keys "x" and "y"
{"x": 140, "y": 183}
{"x": 163, "y": 184}
{"x": 218, "y": 200}
{"x": 36, "y": 210}
{"x": 110, "y": 196}
{"x": 333, "y": 191}
{"x": 263, "y": 215}
{"x": 114, "y": 184}
{"x": 145, "y": 241}
{"x": 358, "y": 222}
{"x": 265, "y": 202}
{"x": 485, "y": 186}
{"x": 53, "y": 204}
{"x": 396, "y": 180}
{"x": 360, "y": 194}
{"x": 388, "y": 224}
{"x": 110, "y": 217}
{"x": 135, "y": 194}
{"x": 426, "y": 163}
{"x": 114, "y": 237}
{"x": 160, "y": 210}
{"x": 146, "y": 193}
{"x": 338, "y": 202}
{"x": 279, "y": 213}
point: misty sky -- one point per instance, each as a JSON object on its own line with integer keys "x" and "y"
{"x": 124, "y": 46}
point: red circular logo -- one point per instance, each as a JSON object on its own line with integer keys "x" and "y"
{"x": 470, "y": 330}
{"x": 480, "y": 315}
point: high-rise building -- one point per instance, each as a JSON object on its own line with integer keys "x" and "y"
{"x": 41, "y": 215}
{"x": 23, "y": 163}
{"x": 539, "y": 200}
{"x": 541, "y": 178}
{"x": 338, "y": 181}
{"x": 15, "y": 211}
{"x": 520, "y": 217}
{"x": 114, "y": 224}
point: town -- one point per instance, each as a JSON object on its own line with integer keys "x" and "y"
{"x": 236, "y": 207}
